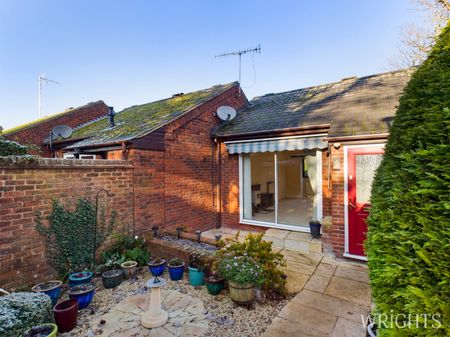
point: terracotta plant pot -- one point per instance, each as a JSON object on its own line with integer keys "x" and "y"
{"x": 66, "y": 313}
{"x": 129, "y": 269}
{"x": 112, "y": 278}
{"x": 83, "y": 293}
{"x": 214, "y": 284}
{"x": 50, "y": 288}
{"x": 43, "y": 330}
{"x": 241, "y": 293}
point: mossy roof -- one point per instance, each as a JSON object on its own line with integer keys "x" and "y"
{"x": 352, "y": 106}
{"x": 45, "y": 119}
{"x": 139, "y": 120}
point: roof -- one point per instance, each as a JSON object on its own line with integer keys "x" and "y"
{"x": 48, "y": 118}
{"x": 140, "y": 120}
{"x": 353, "y": 106}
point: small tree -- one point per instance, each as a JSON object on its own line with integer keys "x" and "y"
{"x": 11, "y": 148}
{"x": 70, "y": 235}
{"x": 409, "y": 230}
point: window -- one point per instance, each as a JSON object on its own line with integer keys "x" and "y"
{"x": 281, "y": 188}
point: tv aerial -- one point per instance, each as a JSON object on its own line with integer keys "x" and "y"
{"x": 59, "y": 131}
{"x": 41, "y": 80}
{"x": 256, "y": 50}
{"x": 226, "y": 113}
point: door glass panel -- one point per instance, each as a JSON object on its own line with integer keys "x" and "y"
{"x": 366, "y": 166}
{"x": 259, "y": 186}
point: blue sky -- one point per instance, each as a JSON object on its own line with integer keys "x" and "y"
{"x": 133, "y": 52}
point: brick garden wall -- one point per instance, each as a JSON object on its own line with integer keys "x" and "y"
{"x": 27, "y": 188}
{"x": 35, "y": 134}
{"x": 191, "y": 165}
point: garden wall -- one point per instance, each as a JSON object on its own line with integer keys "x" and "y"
{"x": 29, "y": 185}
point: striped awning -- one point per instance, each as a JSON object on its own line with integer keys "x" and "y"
{"x": 288, "y": 144}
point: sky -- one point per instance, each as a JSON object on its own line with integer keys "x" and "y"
{"x": 134, "y": 52}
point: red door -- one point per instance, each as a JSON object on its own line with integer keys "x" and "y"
{"x": 362, "y": 164}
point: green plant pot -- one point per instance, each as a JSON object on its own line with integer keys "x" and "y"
{"x": 34, "y": 331}
{"x": 196, "y": 277}
{"x": 214, "y": 286}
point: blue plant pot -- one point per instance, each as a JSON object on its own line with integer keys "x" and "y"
{"x": 157, "y": 269}
{"x": 83, "y": 294}
{"x": 196, "y": 277}
{"x": 176, "y": 273}
{"x": 80, "y": 278}
{"x": 50, "y": 288}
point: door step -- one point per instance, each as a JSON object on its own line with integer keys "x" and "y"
{"x": 293, "y": 241}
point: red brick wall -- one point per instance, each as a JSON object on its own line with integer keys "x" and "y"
{"x": 25, "y": 189}
{"x": 334, "y": 236}
{"x": 35, "y": 134}
{"x": 190, "y": 165}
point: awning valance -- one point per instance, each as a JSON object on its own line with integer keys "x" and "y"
{"x": 287, "y": 144}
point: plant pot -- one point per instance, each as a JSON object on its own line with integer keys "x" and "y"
{"x": 371, "y": 330}
{"x": 196, "y": 277}
{"x": 214, "y": 284}
{"x": 157, "y": 269}
{"x": 83, "y": 293}
{"x": 41, "y": 331}
{"x": 176, "y": 272}
{"x": 314, "y": 226}
{"x": 80, "y": 278}
{"x": 66, "y": 313}
{"x": 241, "y": 293}
{"x": 50, "y": 288}
{"x": 112, "y": 278}
{"x": 129, "y": 269}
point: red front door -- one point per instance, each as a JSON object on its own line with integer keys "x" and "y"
{"x": 362, "y": 164}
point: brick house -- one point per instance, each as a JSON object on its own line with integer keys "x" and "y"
{"x": 286, "y": 158}
{"x": 37, "y": 132}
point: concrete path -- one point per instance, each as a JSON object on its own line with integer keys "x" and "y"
{"x": 332, "y": 296}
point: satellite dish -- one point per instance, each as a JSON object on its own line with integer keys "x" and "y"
{"x": 226, "y": 113}
{"x": 62, "y": 131}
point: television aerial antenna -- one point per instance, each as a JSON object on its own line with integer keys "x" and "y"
{"x": 256, "y": 50}
{"x": 41, "y": 80}
{"x": 226, "y": 113}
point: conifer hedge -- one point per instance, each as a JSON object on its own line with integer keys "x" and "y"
{"x": 408, "y": 241}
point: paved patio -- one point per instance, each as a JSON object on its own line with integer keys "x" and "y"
{"x": 332, "y": 296}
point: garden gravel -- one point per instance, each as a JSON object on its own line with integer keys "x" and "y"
{"x": 224, "y": 316}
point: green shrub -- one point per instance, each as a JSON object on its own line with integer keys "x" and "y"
{"x": 261, "y": 252}
{"x": 70, "y": 235}
{"x": 21, "y": 311}
{"x": 11, "y": 148}
{"x": 409, "y": 226}
{"x": 240, "y": 269}
{"x": 127, "y": 248}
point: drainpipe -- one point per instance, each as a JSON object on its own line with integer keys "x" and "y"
{"x": 219, "y": 182}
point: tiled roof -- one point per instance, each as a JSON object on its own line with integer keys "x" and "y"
{"x": 139, "y": 120}
{"x": 353, "y": 106}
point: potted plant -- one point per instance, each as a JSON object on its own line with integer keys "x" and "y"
{"x": 83, "y": 293}
{"x": 243, "y": 275}
{"x": 112, "y": 278}
{"x": 214, "y": 283}
{"x": 314, "y": 226}
{"x": 66, "y": 313}
{"x": 50, "y": 288}
{"x": 176, "y": 269}
{"x": 157, "y": 266}
{"x": 196, "y": 271}
{"x": 80, "y": 278}
{"x": 43, "y": 330}
{"x": 129, "y": 269}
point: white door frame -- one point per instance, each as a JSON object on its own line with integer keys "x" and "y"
{"x": 346, "y": 147}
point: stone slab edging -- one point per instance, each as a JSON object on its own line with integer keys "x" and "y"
{"x": 16, "y": 162}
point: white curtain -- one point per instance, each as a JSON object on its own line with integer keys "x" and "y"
{"x": 247, "y": 186}
{"x": 311, "y": 164}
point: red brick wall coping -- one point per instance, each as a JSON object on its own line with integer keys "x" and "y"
{"x": 36, "y": 162}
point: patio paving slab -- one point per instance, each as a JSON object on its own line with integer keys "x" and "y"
{"x": 346, "y": 328}
{"x": 352, "y": 274}
{"x": 352, "y": 291}
{"x": 281, "y": 327}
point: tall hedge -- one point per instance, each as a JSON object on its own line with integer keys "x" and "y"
{"x": 409, "y": 226}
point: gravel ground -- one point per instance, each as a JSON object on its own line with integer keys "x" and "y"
{"x": 225, "y": 317}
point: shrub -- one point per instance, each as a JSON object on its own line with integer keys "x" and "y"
{"x": 127, "y": 248}
{"x": 21, "y": 311}
{"x": 175, "y": 262}
{"x": 409, "y": 234}
{"x": 261, "y": 252}
{"x": 240, "y": 269}
{"x": 11, "y": 148}
{"x": 70, "y": 235}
